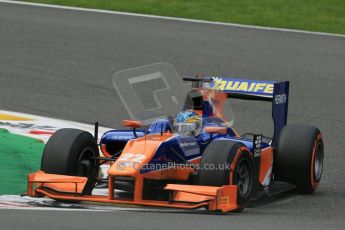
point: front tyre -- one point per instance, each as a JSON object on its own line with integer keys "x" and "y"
{"x": 222, "y": 153}
{"x": 299, "y": 158}
{"x": 72, "y": 152}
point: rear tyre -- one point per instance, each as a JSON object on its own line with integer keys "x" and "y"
{"x": 213, "y": 170}
{"x": 299, "y": 158}
{"x": 71, "y": 152}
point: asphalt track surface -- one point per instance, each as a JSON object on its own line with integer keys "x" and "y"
{"x": 59, "y": 63}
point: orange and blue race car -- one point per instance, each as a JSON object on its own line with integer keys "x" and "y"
{"x": 193, "y": 160}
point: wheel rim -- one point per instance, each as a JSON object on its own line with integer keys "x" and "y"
{"x": 318, "y": 162}
{"x": 85, "y": 164}
{"x": 243, "y": 178}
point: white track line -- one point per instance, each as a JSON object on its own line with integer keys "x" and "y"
{"x": 52, "y": 209}
{"x": 29, "y": 203}
{"x": 12, "y": 204}
{"x": 172, "y": 18}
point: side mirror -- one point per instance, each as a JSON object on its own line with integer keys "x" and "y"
{"x": 132, "y": 124}
{"x": 216, "y": 129}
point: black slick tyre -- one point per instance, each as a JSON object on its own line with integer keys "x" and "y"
{"x": 213, "y": 170}
{"x": 299, "y": 158}
{"x": 71, "y": 152}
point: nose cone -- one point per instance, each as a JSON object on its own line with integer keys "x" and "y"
{"x": 130, "y": 162}
{"x": 137, "y": 154}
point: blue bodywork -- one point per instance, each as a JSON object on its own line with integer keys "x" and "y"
{"x": 180, "y": 148}
{"x": 259, "y": 90}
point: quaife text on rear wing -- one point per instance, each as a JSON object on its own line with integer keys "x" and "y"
{"x": 258, "y": 90}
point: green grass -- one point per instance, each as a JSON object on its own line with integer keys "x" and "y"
{"x": 313, "y": 15}
{"x": 19, "y": 156}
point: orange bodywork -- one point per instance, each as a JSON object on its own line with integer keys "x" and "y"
{"x": 70, "y": 184}
{"x": 173, "y": 173}
{"x": 131, "y": 123}
{"x": 182, "y": 196}
{"x": 137, "y": 154}
{"x": 216, "y": 129}
{"x": 217, "y": 97}
{"x": 220, "y": 198}
{"x": 266, "y": 162}
{"x": 134, "y": 157}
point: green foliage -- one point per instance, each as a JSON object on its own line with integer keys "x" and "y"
{"x": 313, "y": 15}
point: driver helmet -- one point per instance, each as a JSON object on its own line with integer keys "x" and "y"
{"x": 188, "y": 123}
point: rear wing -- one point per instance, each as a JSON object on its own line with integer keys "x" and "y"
{"x": 258, "y": 90}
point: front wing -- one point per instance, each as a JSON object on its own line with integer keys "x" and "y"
{"x": 63, "y": 187}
